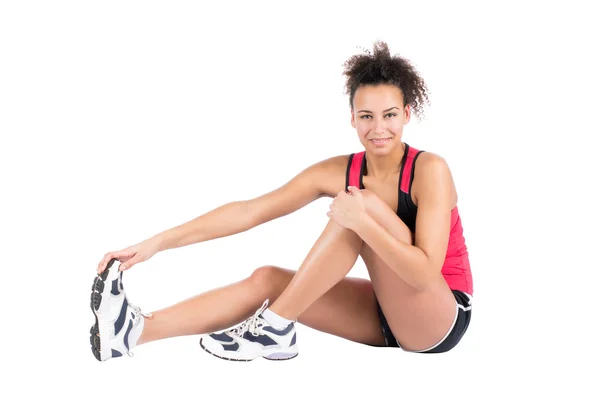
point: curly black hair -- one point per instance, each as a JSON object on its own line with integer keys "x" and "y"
{"x": 382, "y": 68}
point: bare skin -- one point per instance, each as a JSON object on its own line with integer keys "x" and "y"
{"x": 404, "y": 268}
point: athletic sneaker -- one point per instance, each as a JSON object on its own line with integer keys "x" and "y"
{"x": 119, "y": 323}
{"x": 253, "y": 338}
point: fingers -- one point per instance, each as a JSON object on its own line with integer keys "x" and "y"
{"x": 102, "y": 265}
{"x": 119, "y": 255}
{"x": 353, "y": 190}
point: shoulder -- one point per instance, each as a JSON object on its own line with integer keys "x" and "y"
{"x": 432, "y": 175}
{"x": 431, "y": 163}
{"x": 334, "y": 163}
{"x": 330, "y": 174}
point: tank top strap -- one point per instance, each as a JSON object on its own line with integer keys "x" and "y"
{"x": 353, "y": 172}
{"x": 407, "y": 173}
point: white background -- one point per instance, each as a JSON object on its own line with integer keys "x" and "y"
{"x": 122, "y": 119}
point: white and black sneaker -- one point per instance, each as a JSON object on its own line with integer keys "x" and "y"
{"x": 119, "y": 323}
{"x": 253, "y": 338}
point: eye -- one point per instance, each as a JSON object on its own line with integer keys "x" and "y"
{"x": 369, "y": 116}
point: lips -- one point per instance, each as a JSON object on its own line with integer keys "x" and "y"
{"x": 382, "y": 140}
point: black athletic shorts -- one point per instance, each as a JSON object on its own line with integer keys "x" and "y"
{"x": 455, "y": 333}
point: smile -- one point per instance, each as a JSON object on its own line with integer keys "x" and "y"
{"x": 380, "y": 141}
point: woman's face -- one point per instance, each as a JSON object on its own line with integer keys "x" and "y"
{"x": 379, "y": 117}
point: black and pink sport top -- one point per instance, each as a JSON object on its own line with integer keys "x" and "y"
{"x": 456, "y": 269}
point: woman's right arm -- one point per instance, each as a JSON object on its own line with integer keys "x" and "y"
{"x": 314, "y": 182}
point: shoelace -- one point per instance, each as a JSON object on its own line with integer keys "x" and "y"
{"x": 252, "y": 324}
{"x": 138, "y": 313}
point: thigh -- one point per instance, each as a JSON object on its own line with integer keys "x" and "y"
{"x": 418, "y": 319}
{"x": 348, "y": 309}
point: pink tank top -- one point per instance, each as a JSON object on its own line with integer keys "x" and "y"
{"x": 456, "y": 269}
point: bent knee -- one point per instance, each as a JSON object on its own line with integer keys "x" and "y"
{"x": 372, "y": 201}
{"x": 270, "y": 276}
{"x": 263, "y": 274}
{"x": 384, "y": 215}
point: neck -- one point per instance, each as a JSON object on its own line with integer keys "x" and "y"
{"x": 382, "y": 166}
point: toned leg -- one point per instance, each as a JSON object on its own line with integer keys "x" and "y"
{"x": 347, "y": 310}
{"x": 207, "y": 312}
{"x": 418, "y": 319}
{"x": 329, "y": 260}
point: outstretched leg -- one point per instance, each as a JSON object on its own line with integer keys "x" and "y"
{"x": 348, "y": 309}
{"x": 211, "y": 311}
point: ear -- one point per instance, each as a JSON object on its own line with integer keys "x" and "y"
{"x": 352, "y": 121}
{"x": 406, "y": 114}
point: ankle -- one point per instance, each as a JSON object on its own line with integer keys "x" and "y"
{"x": 145, "y": 335}
{"x": 282, "y": 311}
{"x": 276, "y": 319}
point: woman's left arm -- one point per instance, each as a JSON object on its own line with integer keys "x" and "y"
{"x": 418, "y": 265}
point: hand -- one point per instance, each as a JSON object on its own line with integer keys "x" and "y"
{"x": 131, "y": 255}
{"x": 348, "y": 209}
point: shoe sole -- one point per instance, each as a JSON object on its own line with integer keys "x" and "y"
{"x": 95, "y": 304}
{"x": 236, "y": 359}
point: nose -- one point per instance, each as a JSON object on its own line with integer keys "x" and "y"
{"x": 379, "y": 127}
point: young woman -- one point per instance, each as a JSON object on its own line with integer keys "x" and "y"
{"x": 393, "y": 205}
